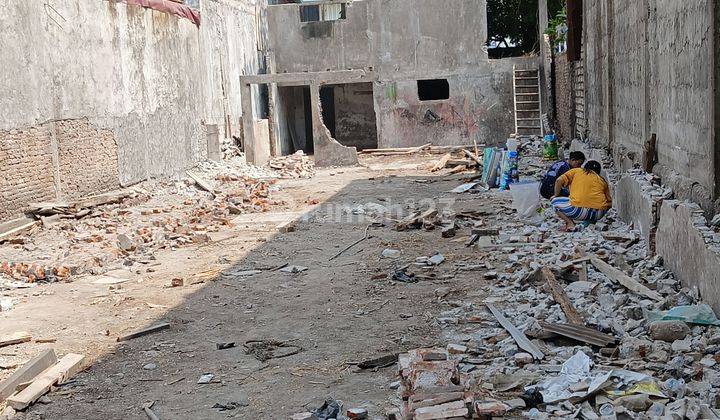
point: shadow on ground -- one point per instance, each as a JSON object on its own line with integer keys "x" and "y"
{"x": 338, "y": 312}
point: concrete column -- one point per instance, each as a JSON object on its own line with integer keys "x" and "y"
{"x": 315, "y": 106}
{"x": 248, "y": 122}
{"x": 273, "y": 115}
{"x": 213, "y": 142}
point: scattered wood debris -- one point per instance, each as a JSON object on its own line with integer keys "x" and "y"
{"x": 145, "y": 331}
{"x": 27, "y": 372}
{"x": 15, "y": 338}
{"x": 67, "y": 367}
{"x": 519, "y": 337}
{"x": 625, "y": 280}
{"x": 580, "y": 333}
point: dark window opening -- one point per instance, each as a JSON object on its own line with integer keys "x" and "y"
{"x": 322, "y": 12}
{"x": 433, "y": 90}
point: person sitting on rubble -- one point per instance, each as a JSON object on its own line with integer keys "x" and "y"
{"x": 547, "y": 186}
{"x": 589, "y": 198}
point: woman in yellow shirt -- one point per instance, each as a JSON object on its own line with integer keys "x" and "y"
{"x": 589, "y": 195}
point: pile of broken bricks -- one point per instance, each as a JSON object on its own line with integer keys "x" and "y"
{"x": 297, "y": 165}
{"x": 124, "y": 230}
{"x": 570, "y": 325}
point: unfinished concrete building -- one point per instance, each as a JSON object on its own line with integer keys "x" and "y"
{"x": 384, "y": 74}
{"x": 639, "y": 80}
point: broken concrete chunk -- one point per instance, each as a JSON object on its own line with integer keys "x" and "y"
{"x": 436, "y": 259}
{"x": 491, "y": 408}
{"x": 125, "y": 243}
{"x": 390, "y": 253}
{"x": 682, "y": 345}
{"x": 442, "y": 411}
{"x": 206, "y": 378}
{"x": 668, "y": 331}
{"x": 293, "y": 269}
{"x": 357, "y": 413}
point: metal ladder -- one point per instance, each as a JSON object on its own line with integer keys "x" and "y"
{"x": 528, "y": 107}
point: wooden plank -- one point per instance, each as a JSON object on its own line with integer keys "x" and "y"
{"x": 618, "y": 276}
{"x": 68, "y": 366}
{"x": 13, "y": 227}
{"x": 15, "y": 338}
{"x": 580, "y": 333}
{"x": 561, "y": 298}
{"x": 201, "y": 183}
{"x": 440, "y": 164}
{"x": 520, "y": 338}
{"x": 146, "y": 331}
{"x": 27, "y": 372}
{"x": 472, "y": 156}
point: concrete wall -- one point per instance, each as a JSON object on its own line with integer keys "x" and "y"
{"x": 320, "y": 46}
{"x": 480, "y": 108}
{"x": 96, "y": 94}
{"x": 393, "y": 37}
{"x": 690, "y": 249}
{"x": 649, "y": 69}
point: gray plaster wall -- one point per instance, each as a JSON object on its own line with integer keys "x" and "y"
{"x": 392, "y": 37}
{"x": 320, "y": 46}
{"x": 228, "y": 49}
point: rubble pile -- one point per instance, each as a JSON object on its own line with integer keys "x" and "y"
{"x": 125, "y": 233}
{"x": 570, "y": 325}
{"x": 297, "y": 165}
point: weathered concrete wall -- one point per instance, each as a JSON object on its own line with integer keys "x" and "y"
{"x": 228, "y": 49}
{"x": 480, "y": 108}
{"x": 564, "y": 101}
{"x": 320, "y": 46}
{"x": 390, "y": 36}
{"x": 689, "y": 248}
{"x": 684, "y": 89}
{"x": 649, "y": 69}
{"x": 111, "y": 94}
{"x": 355, "y": 123}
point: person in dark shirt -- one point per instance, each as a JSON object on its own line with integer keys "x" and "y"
{"x": 547, "y": 186}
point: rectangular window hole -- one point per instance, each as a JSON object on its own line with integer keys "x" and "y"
{"x": 433, "y": 90}
{"x": 322, "y": 12}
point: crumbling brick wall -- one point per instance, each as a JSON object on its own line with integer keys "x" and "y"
{"x": 564, "y": 102}
{"x": 87, "y": 158}
{"x": 26, "y": 169}
{"x": 58, "y": 160}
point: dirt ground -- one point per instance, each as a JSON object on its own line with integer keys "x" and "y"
{"x": 338, "y": 312}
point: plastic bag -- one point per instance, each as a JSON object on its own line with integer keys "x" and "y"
{"x": 693, "y": 314}
{"x": 526, "y": 201}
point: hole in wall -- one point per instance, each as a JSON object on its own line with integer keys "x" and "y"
{"x": 322, "y": 12}
{"x": 433, "y": 89}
